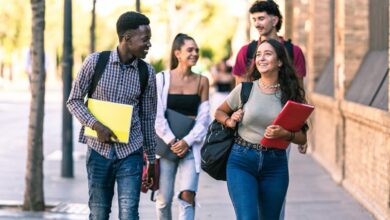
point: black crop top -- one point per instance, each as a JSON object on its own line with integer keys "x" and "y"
{"x": 185, "y": 104}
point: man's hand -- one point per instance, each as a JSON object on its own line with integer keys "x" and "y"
{"x": 302, "y": 148}
{"x": 148, "y": 180}
{"x": 104, "y": 133}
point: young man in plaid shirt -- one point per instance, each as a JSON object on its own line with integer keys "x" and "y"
{"x": 109, "y": 161}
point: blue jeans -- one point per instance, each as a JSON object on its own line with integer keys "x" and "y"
{"x": 102, "y": 174}
{"x": 188, "y": 181}
{"x": 282, "y": 212}
{"x": 257, "y": 182}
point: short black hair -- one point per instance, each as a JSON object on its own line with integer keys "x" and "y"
{"x": 270, "y": 7}
{"x": 129, "y": 21}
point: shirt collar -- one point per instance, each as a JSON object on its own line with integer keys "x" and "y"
{"x": 115, "y": 59}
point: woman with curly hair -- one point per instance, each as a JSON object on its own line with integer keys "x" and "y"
{"x": 257, "y": 175}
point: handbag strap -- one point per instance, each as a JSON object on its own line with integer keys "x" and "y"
{"x": 162, "y": 89}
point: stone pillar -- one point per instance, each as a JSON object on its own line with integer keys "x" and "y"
{"x": 339, "y": 86}
{"x": 288, "y": 19}
{"x": 310, "y": 83}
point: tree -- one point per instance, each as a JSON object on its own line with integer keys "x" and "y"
{"x": 67, "y": 64}
{"x": 33, "y": 194}
{"x": 92, "y": 28}
{"x": 138, "y": 5}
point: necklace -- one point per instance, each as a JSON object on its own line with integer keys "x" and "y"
{"x": 274, "y": 86}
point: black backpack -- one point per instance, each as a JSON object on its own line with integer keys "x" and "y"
{"x": 219, "y": 140}
{"x": 250, "y": 53}
{"x": 101, "y": 66}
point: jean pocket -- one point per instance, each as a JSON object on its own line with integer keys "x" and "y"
{"x": 88, "y": 156}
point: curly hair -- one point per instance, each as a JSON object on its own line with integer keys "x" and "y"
{"x": 289, "y": 86}
{"x": 270, "y": 7}
{"x": 130, "y": 20}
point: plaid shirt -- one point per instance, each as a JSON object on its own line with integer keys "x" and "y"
{"x": 120, "y": 85}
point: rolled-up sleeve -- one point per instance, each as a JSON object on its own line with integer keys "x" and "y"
{"x": 81, "y": 84}
{"x": 162, "y": 127}
{"x": 148, "y": 108}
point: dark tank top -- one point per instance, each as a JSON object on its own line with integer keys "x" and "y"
{"x": 186, "y": 104}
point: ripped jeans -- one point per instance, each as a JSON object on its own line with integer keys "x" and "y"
{"x": 188, "y": 181}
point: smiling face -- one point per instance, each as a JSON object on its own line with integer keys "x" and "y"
{"x": 264, "y": 23}
{"x": 188, "y": 54}
{"x": 137, "y": 42}
{"x": 267, "y": 61}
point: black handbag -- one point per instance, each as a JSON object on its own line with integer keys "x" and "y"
{"x": 219, "y": 140}
{"x": 180, "y": 125}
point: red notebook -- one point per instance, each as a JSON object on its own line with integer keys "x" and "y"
{"x": 292, "y": 117}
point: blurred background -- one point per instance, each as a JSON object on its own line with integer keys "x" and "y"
{"x": 228, "y": 21}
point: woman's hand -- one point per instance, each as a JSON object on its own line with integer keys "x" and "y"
{"x": 276, "y": 131}
{"x": 180, "y": 148}
{"x": 236, "y": 117}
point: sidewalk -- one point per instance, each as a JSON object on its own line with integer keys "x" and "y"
{"x": 312, "y": 195}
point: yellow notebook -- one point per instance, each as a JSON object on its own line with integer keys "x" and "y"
{"x": 115, "y": 116}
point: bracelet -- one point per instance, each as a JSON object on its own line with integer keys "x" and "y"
{"x": 224, "y": 122}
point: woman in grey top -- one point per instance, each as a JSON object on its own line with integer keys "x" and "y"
{"x": 257, "y": 176}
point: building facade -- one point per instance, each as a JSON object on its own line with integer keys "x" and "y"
{"x": 346, "y": 43}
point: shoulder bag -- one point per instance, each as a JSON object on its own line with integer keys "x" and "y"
{"x": 219, "y": 140}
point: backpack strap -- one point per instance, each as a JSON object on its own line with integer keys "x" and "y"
{"x": 99, "y": 69}
{"x": 250, "y": 53}
{"x": 143, "y": 75}
{"x": 245, "y": 92}
{"x": 290, "y": 49}
{"x": 101, "y": 66}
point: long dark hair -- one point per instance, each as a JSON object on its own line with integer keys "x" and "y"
{"x": 178, "y": 42}
{"x": 289, "y": 86}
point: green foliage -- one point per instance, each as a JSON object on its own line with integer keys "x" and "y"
{"x": 14, "y": 27}
{"x": 209, "y": 22}
{"x": 158, "y": 65}
{"x": 206, "y": 52}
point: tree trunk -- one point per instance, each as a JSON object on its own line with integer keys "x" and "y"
{"x": 92, "y": 29}
{"x": 33, "y": 194}
{"x": 138, "y": 5}
{"x": 67, "y": 64}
